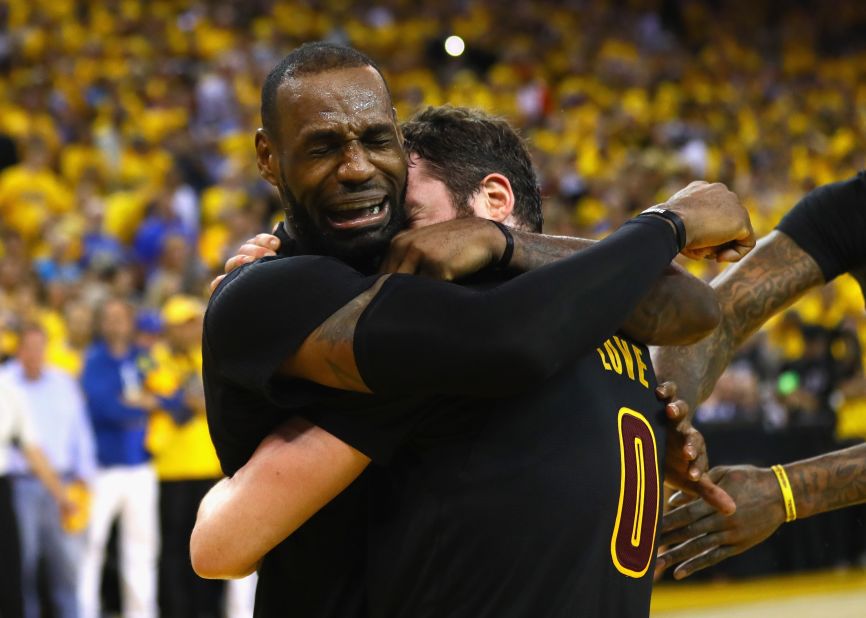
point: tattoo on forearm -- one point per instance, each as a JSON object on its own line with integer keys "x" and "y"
{"x": 829, "y": 482}
{"x": 337, "y": 335}
{"x": 769, "y": 279}
{"x": 533, "y": 251}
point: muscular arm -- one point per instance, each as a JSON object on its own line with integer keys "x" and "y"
{"x": 766, "y": 281}
{"x": 395, "y": 340}
{"x": 679, "y": 309}
{"x": 829, "y": 482}
{"x": 295, "y": 471}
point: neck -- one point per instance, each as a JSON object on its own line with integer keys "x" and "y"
{"x": 32, "y": 374}
{"x": 117, "y": 347}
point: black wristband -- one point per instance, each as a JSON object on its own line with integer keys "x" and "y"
{"x": 670, "y": 215}
{"x": 505, "y": 260}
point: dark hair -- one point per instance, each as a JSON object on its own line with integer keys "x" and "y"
{"x": 461, "y": 146}
{"x": 309, "y": 59}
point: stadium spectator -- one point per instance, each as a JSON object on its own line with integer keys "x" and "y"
{"x": 125, "y": 483}
{"x": 184, "y": 458}
{"x": 65, "y": 436}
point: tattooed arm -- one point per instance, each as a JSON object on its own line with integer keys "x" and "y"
{"x": 766, "y": 281}
{"x": 705, "y": 537}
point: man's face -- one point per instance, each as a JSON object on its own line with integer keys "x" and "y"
{"x": 338, "y": 162}
{"x": 428, "y": 200}
{"x": 31, "y": 353}
{"x": 118, "y": 323}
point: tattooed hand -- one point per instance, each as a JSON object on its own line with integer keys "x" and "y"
{"x": 700, "y": 536}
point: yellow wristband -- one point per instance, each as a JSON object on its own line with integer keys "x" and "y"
{"x": 787, "y": 494}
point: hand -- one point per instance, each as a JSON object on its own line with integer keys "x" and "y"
{"x": 717, "y": 225}
{"x": 686, "y": 460}
{"x": 141, "y": 399}
{"x": 447, "y": 251}
{"x": 262, "y": 245}
{"x": 68, "y": 508}
{"x": 704, "y": 537}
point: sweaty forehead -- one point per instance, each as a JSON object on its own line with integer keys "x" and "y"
{"x": 331, "y": 99}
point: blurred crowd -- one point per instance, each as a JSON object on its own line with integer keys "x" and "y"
{"x": 127, "y": 173}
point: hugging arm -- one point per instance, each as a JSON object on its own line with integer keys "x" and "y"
{"x": 678, "y": 309}
{"x": 416, "y": 335}
{"x": 295, "y": 471}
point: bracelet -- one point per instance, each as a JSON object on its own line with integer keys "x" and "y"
{"x": 787, "y": 494}
{"x": 674, "y": 218}
{"x": 505, "y": 260}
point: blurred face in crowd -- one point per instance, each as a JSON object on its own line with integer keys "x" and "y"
{"x": 31, "y": 352}
{"x": 118, "y": 322}
{"x": 338, "y": 162}
{"x": 184, "y": 336}
{"x": 79, "y": 323}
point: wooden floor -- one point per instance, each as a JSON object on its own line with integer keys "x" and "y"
{"x": 822, "y": 595}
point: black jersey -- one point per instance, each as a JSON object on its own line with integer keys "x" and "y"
{"x": 829, "y": 223}
{"x": 318, "y": 571}
{"x": 262, "y": 313}
{"x": 544, "y": 504}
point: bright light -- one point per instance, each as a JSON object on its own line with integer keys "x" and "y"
{"x": 454, "y": 45}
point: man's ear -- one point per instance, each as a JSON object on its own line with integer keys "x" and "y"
{"x": 266, "y": 158}
{"x": 497, "y": 198}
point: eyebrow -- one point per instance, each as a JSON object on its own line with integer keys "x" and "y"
{"x": 322, "y": 134}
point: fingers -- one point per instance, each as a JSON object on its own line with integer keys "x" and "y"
{"x": 695, "y": 450}
{"x": 680, "y": 498}
{"x": 237, "y": 261}
{"x": 666, "y": 390}
{"x": 685, "y": 515}
{"x": 265, "y": 241}
{"x": 215, "y": 283}
{"x": 677, "y": 411}
{"x": 715, "y": 496}
{"x": 402, "y": 259}
{"x": 707, "y": 559}
{"x": 689, "y": 550}
{"x": 707, "y": 525}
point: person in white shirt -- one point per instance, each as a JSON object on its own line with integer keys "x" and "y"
{"x": 16, "y": 429}
{"x": 58, "y": 412}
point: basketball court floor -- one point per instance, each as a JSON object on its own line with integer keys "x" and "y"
{"x": 824, "y": 595}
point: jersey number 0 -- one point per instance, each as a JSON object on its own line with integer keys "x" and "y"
{"x": 633, "y": 540}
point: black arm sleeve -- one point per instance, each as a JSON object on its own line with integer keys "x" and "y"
{"x": 422, "y": 336}
{"x": 262, "y": 313}
{"x": 829, "y": 224}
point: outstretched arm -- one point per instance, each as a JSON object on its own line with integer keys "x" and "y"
{"x": 770, "y": 278}
{"x": 295, "y": 471}
{"x": 704, "y": 537}
{"x": 823, "y": 236}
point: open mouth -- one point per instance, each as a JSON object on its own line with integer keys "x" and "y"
{"x": 359, "y": 214}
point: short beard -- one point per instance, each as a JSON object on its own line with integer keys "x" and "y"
{"x": 363, "y": 252}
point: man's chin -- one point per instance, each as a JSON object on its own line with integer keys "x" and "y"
{"x": 359, "y": 249}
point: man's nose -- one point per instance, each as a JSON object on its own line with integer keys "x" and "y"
{"x": 356, "y": 167}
